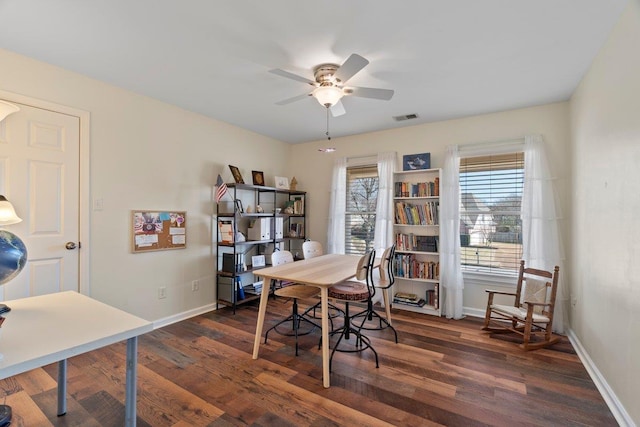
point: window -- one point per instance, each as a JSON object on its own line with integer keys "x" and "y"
{"x": 360, "y": 218}
{"x": 490, "y": 223}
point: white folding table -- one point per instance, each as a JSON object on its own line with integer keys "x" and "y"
{"x": 52, "y": 328}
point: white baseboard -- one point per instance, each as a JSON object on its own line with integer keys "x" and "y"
{"x": 474, "y": 312}
{"x": 183, "y": 316}
{"x": 621, "y": 415}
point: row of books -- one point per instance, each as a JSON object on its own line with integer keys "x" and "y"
{"x": 417, "y": 214}
{"x": 413, "y": 242}
{"x": 417, "y": 189}
{"x": 408, "y": 266}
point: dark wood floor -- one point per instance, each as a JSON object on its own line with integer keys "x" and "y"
{"x": 199, "y": 372}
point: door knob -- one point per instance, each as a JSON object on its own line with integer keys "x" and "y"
{"x": 70, "y": 246}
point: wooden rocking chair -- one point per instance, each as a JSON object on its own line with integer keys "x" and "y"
{"x": 531, "y": 315}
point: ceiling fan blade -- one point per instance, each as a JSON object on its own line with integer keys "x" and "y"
{"x": 294, "y": 99}
{"x": 369, "y": 92}
{"x": 283, "y": 73}
{"x": 351, "y": 66}
{"x": 337, "y": 109}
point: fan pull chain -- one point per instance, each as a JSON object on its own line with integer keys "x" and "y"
{"x": 327, "y": 132}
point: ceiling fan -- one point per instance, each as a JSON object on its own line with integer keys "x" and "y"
{"x": 329, "y": 83}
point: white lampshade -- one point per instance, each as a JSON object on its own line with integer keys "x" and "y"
{"x": 7, "y": 213}
{"x": 328, "y": 95}
{"x": 7, "y": 108}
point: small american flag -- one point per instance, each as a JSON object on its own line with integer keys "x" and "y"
{"x": 221, "y": 189}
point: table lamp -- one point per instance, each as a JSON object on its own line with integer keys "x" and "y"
{"x": 13, "y": 252}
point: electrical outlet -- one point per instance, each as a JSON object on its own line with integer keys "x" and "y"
{"x": 162, "y": 292}
{"x": 98, "y": 204}
{"x": 195, "y": 285}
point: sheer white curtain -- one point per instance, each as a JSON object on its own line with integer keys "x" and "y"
{"x": 541, "y": 244}
{"x": 383, "y": 236}
{"x": 337, "y": 207}
{"x": 450, "y": 270}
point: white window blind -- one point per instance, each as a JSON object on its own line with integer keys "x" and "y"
{"x": 360, "y": 218}
{"x": 490, "y": 223}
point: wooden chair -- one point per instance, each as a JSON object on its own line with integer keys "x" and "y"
{"x": 384, "y": 282}
{"x": 295, "y": 292}
{"x": 531, "y": 315}
{"x": 353, "y": 291}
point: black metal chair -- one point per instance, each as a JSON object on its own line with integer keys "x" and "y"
{"x": 369, "y": 315}
{"x": 295, "y": 292}
{"x": 348, "y": 292}
{"x": 312, "y": 249}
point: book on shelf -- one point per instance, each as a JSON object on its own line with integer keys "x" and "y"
{"x": 432, "y": 297}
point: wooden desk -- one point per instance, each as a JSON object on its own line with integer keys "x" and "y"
{"x": 323, "y": 272}
{"x": 51, "y": 328}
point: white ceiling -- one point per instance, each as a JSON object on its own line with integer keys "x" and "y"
{"x": 444, "y": 58}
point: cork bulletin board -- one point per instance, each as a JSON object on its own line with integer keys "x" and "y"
{"x": 158, "y": 230}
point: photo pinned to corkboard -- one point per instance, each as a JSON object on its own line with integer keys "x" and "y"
{"x": 158, "y": 230}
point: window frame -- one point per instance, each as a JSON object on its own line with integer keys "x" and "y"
{"x": 484, "y": 275}
{"x": 370, "y": 169}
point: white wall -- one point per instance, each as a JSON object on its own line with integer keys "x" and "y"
{"x": 313, "y": 169}
{"x": 605, "y": 250}
{"x": 152, "y": 156}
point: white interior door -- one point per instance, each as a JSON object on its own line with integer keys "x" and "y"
{"x": 39, "y": 175}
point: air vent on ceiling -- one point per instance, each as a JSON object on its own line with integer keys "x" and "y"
{"x": 405, "y": 117}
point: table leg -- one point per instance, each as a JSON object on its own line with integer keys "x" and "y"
{"x": 264, "y": 297}
{"x": 131, "y": 382}
{"x": 62, "y": 387}
{"x": 324, "y": 301}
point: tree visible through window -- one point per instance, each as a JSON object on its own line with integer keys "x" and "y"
{"x": 360, "y": 220}
{"x": 490, "y": 222}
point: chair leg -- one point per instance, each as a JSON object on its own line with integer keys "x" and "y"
{"x": 295, "y": 320}
{"x": 362, "y": 342}
{"x": 387, "y": 305}
{"x": 368, "y": 315}
{"x": 487, "y": 316}
{"x": 337, "y": 310}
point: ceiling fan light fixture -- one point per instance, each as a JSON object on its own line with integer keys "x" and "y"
{"x": 328, "y": 96}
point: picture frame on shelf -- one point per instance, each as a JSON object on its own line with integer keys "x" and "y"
{"x": 258, "y": 261}
{"x": 237, "y": 176}
{"x": 258, "y": 177}
{"x": 282, "y": 182}
{"x": 416, "y": 161}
